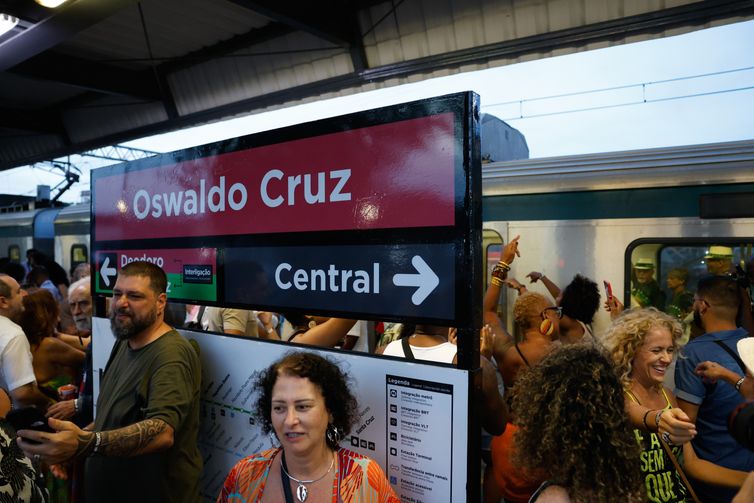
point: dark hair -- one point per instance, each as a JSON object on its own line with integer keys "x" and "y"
{"x": 581, "y": 299}
{"x": 40, "y": 315}
{"x": 719, "y": 291}
{"x": 158, "y": 280}
{"x": 570, "y": 412}
{"x": 327, "y": 376}
{"x": 679, "y": 273}
{"x": 37, "y": 275}
{"x": 296, "y": 319}
{"x": 15, "y": 271}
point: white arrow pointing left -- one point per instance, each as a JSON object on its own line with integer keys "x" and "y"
{"x": 106, "y": 271}
{"x": 426, "y": 280}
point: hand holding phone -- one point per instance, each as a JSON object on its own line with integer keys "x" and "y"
{"x": 608, "y": 291}
{"x": 28, "y": 418}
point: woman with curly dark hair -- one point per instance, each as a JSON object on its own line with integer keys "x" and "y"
{"x": 573, "y": 431}
{"x": 305, "y": 402}
{"x": 643, "y": 343}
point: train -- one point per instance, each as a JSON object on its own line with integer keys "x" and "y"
{"x": 594, "y": 214}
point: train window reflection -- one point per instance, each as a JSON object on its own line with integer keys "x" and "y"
{"x": 79, "y": 255}
{"x": 14, "y": 253}
{"x": 664, "y": 273}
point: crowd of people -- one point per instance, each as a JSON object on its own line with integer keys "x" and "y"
{"x": 638, "y": 413}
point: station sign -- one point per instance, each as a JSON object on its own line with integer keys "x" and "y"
{"x": 393, "y": 280}
{"x": 370, "y": 215}
{"x": 386, "y": 176}
{"x": 192, "y": 273}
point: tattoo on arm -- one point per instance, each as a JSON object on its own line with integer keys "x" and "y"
{"x": 130, "y": 440}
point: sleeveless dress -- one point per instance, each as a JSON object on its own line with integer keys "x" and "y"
{"x": 661, "y": 480}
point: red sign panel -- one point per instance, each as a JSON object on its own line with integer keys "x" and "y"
{"x": 392, "y": 175}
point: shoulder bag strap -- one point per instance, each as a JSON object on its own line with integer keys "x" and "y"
{"x": 678, "y": 468}
{"x": 407, "y": 349}
{"x": 732, "y": 353}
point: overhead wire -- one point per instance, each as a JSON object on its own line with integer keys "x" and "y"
{"x": 642, "y": 85}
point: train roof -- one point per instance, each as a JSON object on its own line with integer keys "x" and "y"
{"x": 714, "y": 163}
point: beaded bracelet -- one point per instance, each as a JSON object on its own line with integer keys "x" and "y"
{"x": 657, "y": 418}
{"x": 739, "y": 383}
{"x": 499, "y": 273}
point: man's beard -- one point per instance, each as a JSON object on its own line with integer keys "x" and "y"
{"x": 83, "y": 324}
{"x": 128, "y": 328}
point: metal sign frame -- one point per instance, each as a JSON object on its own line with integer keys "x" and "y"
{"x": 463, "y": 236}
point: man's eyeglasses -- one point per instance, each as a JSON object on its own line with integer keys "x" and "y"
{"x": 557, "y": 311}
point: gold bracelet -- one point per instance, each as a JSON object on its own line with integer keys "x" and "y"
{"x": 504, "y": 265}
{"x": 497, "y": 281}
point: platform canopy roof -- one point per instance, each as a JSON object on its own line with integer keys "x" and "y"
{"x": 92, "y": 73}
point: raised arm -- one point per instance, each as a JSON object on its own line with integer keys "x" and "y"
{"x": 535, "y": 276}
{"x": 492, "y": 295}
{"x": 326, "y": 334}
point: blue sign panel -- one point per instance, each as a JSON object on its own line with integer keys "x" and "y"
{"x": 416, "y": 280}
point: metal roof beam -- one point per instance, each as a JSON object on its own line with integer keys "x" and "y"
{"x": 231, "y": 45}
{"x": 89, "y": 75}
{"x": 695, "y": 13}
{"x": 652, "y": 22}
{"x": 38, "y": 122}
{"x": 328, "y": 22}
{"x": 62, "y": 24}
{"x": 337, "y": 23}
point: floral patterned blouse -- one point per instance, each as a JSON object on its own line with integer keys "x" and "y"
{"x": 360, "y": 479}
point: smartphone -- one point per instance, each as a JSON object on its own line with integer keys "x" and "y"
{"x": 28, "y": 418}
{"x": 608, "y": 290}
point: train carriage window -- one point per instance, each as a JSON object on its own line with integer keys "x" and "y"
{"x": 663, "y": 273}
{"x": 79, "y": 255}
{"x": 14, "y": 253}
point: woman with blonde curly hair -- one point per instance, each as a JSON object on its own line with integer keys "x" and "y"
{"x": 643, "y": 343}
{"x": 572, "y": 429}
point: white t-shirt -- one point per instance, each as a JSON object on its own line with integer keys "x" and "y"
{"x": 218, "y": 319}
{"x": 15, "y": 356}
{"x": 442, "y": 353}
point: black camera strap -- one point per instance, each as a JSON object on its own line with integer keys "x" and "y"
{"x": 407, "y": 353}
{"x": 732, "y": 353}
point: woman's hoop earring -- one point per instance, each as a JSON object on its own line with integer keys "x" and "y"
{"x": 274, "y": 440}
{"x": 334, "y": 435}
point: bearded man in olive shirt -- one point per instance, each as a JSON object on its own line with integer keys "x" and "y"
{"x": 143, "y": 445}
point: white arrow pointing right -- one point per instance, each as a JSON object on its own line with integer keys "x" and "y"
{"x": 106, "y": 271}
{"x": 426, "y": 280}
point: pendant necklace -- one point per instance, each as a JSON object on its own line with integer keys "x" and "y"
{"x": 302, "y": 492}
